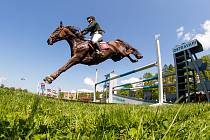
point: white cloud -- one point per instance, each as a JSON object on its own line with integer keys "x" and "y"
{"x": 187, "y": 36}
{"x": 206, "y": 25}
{"x": 183, "y": 35}
{"x": 89, "y": 81}
{"x": 180, "y": 34}
{"x": 203, "y": 38}
{"x": 180, "y": 31}
{"x": 2, "y": 79}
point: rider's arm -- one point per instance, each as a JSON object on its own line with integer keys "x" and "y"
{"x": 89, "y": 28}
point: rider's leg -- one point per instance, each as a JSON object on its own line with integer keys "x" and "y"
{"x": 95, "y": 40}
{"x": 96, "y": 45}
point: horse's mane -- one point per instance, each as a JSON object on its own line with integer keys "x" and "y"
{"x": 75, "y": 31}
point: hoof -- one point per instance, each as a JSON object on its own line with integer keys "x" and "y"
{"x": 140, "y": 57}
{"x": 134, "y": 61}
{"x": 48, "y": 79}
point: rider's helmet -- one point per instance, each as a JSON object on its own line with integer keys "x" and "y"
{"x": 90, "y": 18}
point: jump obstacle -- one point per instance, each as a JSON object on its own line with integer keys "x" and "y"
{"x": 157, "y": 64}
{"x": 187, "y": 67}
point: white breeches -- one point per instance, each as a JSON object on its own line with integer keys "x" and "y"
{"x": 96, "y": 37}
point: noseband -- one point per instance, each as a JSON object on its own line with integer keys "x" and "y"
{"x": 57, "y": 35}
{"x": 67, "y": 34}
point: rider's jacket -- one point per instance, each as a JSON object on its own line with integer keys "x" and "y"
{"x": 93, "y": 28}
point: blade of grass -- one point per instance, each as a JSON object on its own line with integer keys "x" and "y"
{"x": 172, "y": 122}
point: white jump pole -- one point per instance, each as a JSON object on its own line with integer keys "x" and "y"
{"x": 111, "y": 84}
{"x": 160, "y": 78}
{"x": 94, "y": 94}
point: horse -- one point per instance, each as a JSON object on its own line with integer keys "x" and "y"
{"x": 82, "y": 52}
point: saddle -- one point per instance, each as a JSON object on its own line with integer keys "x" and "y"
{"x": 102, "y": 46}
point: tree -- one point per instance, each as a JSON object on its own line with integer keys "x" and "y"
{"x": 153, "y": 91}
{"x": 12, "y": 88}
{"x": 139, "y": 93}
{"x": 169, "y": 79}
{"x": 25, "y": 90}
{"x": 124, "y": 92}
{"x": 2, "y": 86}
{"x": 61, "y": 95}
{"x": 206, "y": 59}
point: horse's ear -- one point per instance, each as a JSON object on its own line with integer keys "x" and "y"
{"x": 61, "y": 24}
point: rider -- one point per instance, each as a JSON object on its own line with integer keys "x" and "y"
{"x": 96, "y": 32}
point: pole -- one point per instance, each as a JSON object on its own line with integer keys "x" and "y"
{"x": 95, "y": 87}
{"x": 130, "y": 72}
{"x": 38, "y": 88}
{"x": 111, "y": 84}
{"x": 160, "y": 78}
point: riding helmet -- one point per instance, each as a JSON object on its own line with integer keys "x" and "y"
{"x": 91, "y": 17}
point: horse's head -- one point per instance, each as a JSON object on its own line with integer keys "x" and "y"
{"x": 62, "y": 33}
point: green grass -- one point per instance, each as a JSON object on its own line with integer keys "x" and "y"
{"x": 27, "y": 116}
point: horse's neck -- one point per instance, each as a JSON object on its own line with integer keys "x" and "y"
{"x": 73, "y": 43}
{"x": 70, "y": 42}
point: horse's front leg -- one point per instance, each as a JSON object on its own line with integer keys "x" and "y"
{"x": 72, "y": 61}
{"x": 131, "y": 59}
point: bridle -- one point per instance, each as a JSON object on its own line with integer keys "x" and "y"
{"x": 57, "y": 35}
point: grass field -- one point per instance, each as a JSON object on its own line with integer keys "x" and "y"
{"x": 27, "y": 116}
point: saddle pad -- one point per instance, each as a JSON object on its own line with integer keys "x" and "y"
{"x": 104, "y": 45}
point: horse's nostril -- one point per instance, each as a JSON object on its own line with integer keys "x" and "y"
{"x": 49, "y": 41}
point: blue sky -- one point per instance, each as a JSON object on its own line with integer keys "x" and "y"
{"x": 26, "y": 25}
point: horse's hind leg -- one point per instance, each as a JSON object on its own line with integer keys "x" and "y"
{"x": 133, "y": 51}
{"x": 137, "y": 54}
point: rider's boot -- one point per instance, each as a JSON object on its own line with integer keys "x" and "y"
{"x": 97, "y": 48}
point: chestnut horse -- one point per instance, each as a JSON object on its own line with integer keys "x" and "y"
{"x": 82, "y": 51}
